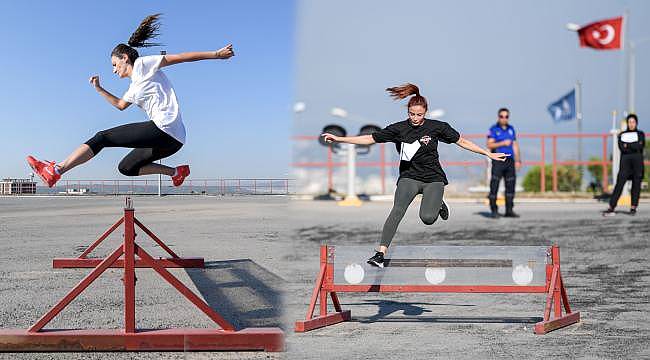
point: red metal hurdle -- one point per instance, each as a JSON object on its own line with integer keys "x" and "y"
{"x": 556, "y": 295}
{"x": 130, "y": 338}
{"x": 129, "y": 220}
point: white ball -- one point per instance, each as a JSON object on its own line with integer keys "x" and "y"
{"x": 435, "y": 275}
{"x": 522, "y": 275}
{"x": 354, "y": 273}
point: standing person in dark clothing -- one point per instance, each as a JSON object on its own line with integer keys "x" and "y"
{"x": 631, "y": 143}
{"x": 503, "y": 139}
{"x": 420, "y": 170}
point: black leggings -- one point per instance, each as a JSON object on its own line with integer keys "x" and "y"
{"x": 149, "y": 143}
{"x": 404, "y": 195}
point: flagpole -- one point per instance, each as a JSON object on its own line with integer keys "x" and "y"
{"x": 578, "y": 90}
{"x": 632, "y": 65}
{"x": 627, "y": 48}
{"x": 615, "y": 159}
{"x": 162, "y": 52}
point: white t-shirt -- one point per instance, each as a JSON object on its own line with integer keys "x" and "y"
{"x": 152, "y": 92}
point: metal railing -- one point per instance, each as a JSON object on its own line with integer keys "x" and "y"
{"x": 542, "y": 161}
{"x": 230, "y": 186}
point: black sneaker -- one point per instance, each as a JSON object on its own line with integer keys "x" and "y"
{"x": 609, "y": 212}
{"x": 494, "y": 215}
{"x": 511, "y": 214}
{"x": 377, "y": 260}
{"x": 633, "y": 211}
{"x": 444, "y": 211}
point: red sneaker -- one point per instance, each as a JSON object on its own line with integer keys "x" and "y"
{"x": 182, "y": 172}
{"x": 45, "y": 170}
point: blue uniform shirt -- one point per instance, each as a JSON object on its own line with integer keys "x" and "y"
{"x": 497, "y": 133}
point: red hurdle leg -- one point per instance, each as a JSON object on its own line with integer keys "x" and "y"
{"x": 555, "y": 297}
{"x": 189, "y": 295}
{"x": 156, "y": 239}
{"x": 129, "y": 272}
{"x": 101, "y": 238}
{"x": 83, "y": 284}
{"x": 323, "y": 280}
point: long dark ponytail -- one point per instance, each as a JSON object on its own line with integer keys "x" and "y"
{"x": 408, "y": 89}
{"x": 147, "y": 30}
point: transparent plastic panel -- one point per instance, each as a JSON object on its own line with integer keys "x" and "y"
{"x": 443, "y": 265}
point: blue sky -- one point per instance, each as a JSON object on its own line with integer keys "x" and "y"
{"x": 237, "y": 112}
{"x": 469, "y": 58}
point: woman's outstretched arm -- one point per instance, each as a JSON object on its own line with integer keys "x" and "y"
{"x": 223, "y": 53}
{"x": 120, "y": 104}
{"x": 468, "y": 145}
{"x": 358, "y": 140}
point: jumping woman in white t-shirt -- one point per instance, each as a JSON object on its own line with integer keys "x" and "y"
{"x": 158, "y": 138}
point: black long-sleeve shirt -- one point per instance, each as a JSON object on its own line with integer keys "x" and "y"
{"x": 631, "y": 142}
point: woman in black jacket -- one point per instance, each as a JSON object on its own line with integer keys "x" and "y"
{"x": 631, "y": 143}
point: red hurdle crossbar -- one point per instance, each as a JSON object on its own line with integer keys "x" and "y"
{"x": 130, "y": 338}
{"x": 129, "y": 220}
{"x": 556, "y": 295}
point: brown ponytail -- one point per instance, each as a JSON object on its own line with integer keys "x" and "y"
{"x": 147, "y": 30}
{"x": 408, "y": 89}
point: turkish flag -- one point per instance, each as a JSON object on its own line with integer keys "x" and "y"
{"x": 602, "y": 35}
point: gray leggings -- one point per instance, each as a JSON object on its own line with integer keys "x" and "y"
{"x": 404, "y": 195}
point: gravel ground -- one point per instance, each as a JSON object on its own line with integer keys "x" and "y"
{"x": 604, "y": 265}
{"x": 262, "y": 257}
{"x": 236, "y": 235}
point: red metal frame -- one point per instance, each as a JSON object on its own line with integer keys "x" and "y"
{"x": 129, "y": 221}
{"x": 556, "y": 295}
{"x": 130, "y": 338}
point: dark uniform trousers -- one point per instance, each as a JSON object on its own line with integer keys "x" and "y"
{"x": 503, "y": 169}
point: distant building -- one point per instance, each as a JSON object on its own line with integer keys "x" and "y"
{"x": 17, "y": 186}
{"x": 72, "y": 191}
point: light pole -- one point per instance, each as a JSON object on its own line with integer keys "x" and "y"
{"x": 631, "y": 66}
{"x": 351, "y": 198}
{"x": 162, "y": 52}
{"x": 578, "y": 95}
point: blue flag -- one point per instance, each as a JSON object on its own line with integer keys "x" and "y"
{"x": 565, "y": 108}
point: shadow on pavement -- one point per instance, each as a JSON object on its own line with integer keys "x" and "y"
{"x": 412, "y": 312}
{"x": 243, "y": 292}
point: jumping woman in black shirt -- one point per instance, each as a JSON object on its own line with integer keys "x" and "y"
{"x": 631, "y": 143}
{"x": 420, "y": 170}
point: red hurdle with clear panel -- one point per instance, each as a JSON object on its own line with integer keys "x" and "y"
{"x": 130, "y": 338}
{"x": 441, "y": 269}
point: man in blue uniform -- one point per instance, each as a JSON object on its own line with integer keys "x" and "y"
{"x": 502, "y": 138}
